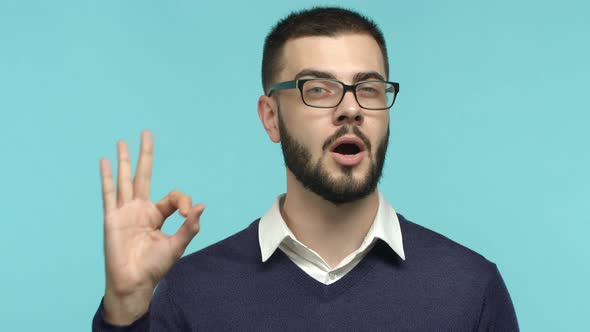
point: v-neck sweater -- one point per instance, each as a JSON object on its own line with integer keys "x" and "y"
{"x": 441, "y": 286}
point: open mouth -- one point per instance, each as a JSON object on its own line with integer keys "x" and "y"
{"x": 347, "y": 149}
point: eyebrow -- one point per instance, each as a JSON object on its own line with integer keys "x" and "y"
{"x": 362, "y": 76}
{"x": 314, "y": 73}
{"x": 367, "y": 76}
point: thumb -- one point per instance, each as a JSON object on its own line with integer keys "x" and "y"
{"x": 188, "y": 230}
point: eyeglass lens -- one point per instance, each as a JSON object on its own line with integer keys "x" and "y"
{"x": 327, "y": 93}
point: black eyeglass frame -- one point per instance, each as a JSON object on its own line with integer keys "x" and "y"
{"x": 298, "y": 84}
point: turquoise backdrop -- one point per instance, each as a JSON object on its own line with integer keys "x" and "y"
{"x": 489, "y": 140}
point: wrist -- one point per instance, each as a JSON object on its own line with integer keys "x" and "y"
{"x": 124, "y": 310}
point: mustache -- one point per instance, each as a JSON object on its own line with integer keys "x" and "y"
{"x": 346, "y": 129}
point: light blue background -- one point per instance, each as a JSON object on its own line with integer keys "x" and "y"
{"x": 489, "y": 140}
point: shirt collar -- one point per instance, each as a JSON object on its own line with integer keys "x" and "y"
{"x": 272, "y": 229}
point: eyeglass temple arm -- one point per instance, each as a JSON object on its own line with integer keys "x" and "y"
{"x": 394, "y": 88}
{"x": 282, "y": 86}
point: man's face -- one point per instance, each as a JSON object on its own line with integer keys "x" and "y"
{"x": 339, "y": 152}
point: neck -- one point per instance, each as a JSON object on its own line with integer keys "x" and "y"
{"x": 333, "y": 231}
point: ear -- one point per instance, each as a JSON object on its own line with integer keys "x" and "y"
{"x": 267, "y": 112}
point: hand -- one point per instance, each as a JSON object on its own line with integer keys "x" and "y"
{"x": 137, "y": 253}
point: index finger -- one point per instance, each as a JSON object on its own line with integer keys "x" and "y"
{"x": 143, "y": 173}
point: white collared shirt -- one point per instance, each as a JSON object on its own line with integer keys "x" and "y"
{"x": 274, "y": 233}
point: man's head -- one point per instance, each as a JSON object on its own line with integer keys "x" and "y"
{"x": 319, "y": 21}
{"x": 336, "y": 150}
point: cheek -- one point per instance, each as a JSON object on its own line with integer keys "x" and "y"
{"x": 313, "y": 137}
{"x": 309, "y": 129}
{"x": 378, "y": 132}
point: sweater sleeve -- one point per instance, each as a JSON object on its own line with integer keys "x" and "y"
{"x": 99, "y": 324}
{"x": 161, "y": 316}
{"x": 497, "y": 312}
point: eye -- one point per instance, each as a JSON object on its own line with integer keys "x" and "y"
{"x": 370, "y": 90}
{"x": 316, "y": 90}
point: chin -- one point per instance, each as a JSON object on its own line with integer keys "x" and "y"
{"x": 357, "y": 172}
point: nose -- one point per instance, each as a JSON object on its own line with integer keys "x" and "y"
{"x": 349, "y": 111}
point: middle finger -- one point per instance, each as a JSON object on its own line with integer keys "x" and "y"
{"x": 124, "y": 187}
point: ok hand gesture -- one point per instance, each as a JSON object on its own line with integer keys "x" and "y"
{"x": 137, "y": 253}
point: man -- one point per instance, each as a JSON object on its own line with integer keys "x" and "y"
{"x": 331, "y": 254}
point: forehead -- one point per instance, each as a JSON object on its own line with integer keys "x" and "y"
{"x": 342, "y": 55}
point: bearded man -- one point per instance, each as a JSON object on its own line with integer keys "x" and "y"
{"x": 331, "y": 254}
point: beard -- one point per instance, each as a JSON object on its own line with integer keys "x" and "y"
{"x": 315, "y": 177}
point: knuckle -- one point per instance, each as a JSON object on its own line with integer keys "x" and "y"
{"x": 124, "y": 177}
{"x": 175, "y": 197}
{"x": 147, "y": 149}
{"x": 178, "y": 195}
{"x": 123, "y": 156}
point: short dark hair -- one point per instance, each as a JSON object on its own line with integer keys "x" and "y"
{"x": 317, "y": 21}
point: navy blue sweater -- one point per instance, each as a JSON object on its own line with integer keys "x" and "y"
{"x": 441, "y": 286}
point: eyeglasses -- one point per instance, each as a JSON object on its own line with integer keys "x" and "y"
{"x": 328, "y": 93}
